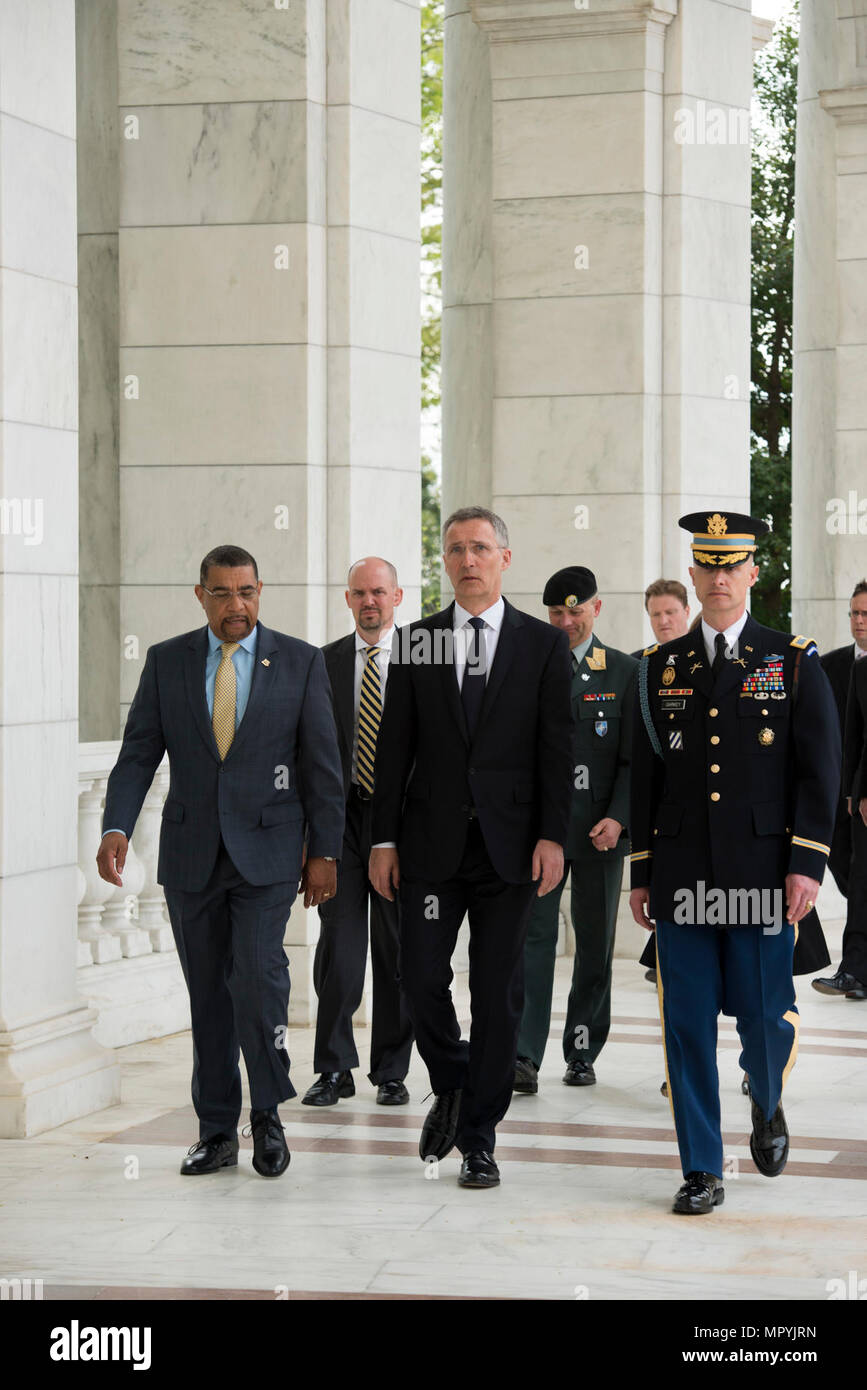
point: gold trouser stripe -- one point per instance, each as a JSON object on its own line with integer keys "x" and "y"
{"x": 791, "y": 1017}
{"x": 659, "y": 992}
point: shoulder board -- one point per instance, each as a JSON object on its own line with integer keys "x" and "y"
{"x": 648, "y": 651}
{"x": 802, "y": 642}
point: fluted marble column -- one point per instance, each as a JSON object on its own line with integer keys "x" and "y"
{"x": 829, "y": 409}
{"x": 51, "y": 1068}
{"x": 596, "y": 280}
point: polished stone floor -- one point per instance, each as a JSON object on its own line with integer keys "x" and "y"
{"x": 97, "y": 1209}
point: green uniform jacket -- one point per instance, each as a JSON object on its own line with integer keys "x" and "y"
{"x": 603, "y": 701}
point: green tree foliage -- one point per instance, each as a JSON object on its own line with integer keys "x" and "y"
{"x": 431, "y": 283}
{"x": 773, "y": 216}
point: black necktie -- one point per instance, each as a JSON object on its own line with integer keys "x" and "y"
{"x": 720, "y": 644}
{"x": 473, "y": 688}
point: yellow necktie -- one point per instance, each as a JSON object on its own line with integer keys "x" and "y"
{"x": 223, "y": 718}
{"x": 369, "y": 716}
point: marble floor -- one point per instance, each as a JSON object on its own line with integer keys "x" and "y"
{"x": 96, "y": 1209}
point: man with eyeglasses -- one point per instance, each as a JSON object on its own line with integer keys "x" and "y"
{"x": 470, "y": 815}
{"x": 848, "y": 859}
{"x": 245, "y": 716}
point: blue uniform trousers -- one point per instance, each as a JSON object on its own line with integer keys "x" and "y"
{"x": 741, "y": 971}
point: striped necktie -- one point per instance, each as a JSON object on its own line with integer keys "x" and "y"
{"x": 369, "y": 716}
{"x": 225, "y": 692}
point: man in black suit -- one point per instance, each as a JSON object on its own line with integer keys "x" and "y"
{"x": 245, "y": 715}
{"x": 850, "y": 979}
{"x": 358, "y": 668}
{"x": 837, "y": 665}
{"x": 470, "y": 815}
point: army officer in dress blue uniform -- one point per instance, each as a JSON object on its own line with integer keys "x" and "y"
{"x": 603, "y": 698}
{"x": 735, "y": 772}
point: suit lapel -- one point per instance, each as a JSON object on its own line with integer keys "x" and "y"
{"x": 345, "y": 684}
{"x": 449, "y": 676}
{"x": 194, "y": 674}
{"x": 503, "y": 658}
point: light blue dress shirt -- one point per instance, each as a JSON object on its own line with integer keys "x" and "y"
{"x": 243, "y": 660}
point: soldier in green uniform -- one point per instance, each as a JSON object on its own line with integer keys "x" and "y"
{"x": 603, "y": 697}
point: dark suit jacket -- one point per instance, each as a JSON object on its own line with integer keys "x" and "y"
{"x": 601, "y": 698}
{"x": 517, "y": 772}
{"x": 854, "y": 781}
{"x": 282, "y": 770}
{"x": 768, "y": 809}
{"x": 340, "y": 665}
{"x": 837, "y": 666}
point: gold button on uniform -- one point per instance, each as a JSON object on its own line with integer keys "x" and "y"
{"x": 713, "y": 713}
{"x": 764, "y": 711}
{"x": 714, "y": 796}
{"x": 714, "y": 738}
{"x": 714, "y": 767}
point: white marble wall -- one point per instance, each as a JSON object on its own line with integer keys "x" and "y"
{"x": 596, "y": 283}
{"x": 829, "y": 430}
{"x": 51, "y": 1068}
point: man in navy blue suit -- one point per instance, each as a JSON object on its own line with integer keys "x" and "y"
{"x": 255, "y": 802}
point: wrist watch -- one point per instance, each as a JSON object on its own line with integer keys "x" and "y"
{"x": 329, "y": 858}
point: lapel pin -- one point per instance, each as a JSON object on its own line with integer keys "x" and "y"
{"x": 266, "y": 662}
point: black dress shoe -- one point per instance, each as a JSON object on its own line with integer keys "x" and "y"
{"x": 440, "y": 1126}
{"x": 859, "y": 992}
{"x": 331, "y": 1087}
{"x": 651, "y": 976}
{"x": 580, "y": 1073}
{"x": 479, "y": 1170}
{"x": 769, "y": 1141}
{"x": 270, "y": 1154}
{"x": 841, "y": 983}
{"x": 392, "y": 1093}
{"x": 663, "y": 1090}
{"x": 526, "y": 1081}
{"x": 700, "y": 1193}
{"x": 220, "y": 1151}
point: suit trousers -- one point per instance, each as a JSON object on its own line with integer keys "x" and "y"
{"x": 594, "y": 897}
{"x": 841, "y": 848}
{"x": 483, "y": 1067}
{"x": 854, "y": 957}
{"x": 341, "y": 957}
{"x": 229, "y": 937}
{"x": 704, "y": 971}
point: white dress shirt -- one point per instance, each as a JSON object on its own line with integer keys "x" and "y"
{"x": 493, "y": 619}
{"x": 382, "y": 660}
{"x": 731, "y": 635}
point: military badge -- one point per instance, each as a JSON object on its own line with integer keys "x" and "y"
{"x": 766, "y": 737}
{"x": 571, "y": 601}
{"x": 675, "y": 739}
{"x": 668, "y": 676}
{"x": 601, "y": 727}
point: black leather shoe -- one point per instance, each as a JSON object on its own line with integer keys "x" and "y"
{"x": 331, "y": 1087}
{"x": 440, "y": 1126}
{"x": 580, "y": 1073}
{"x": 526, "y": 1081}
{"x": 663, "y": 1090}
{"x": 859, "y": 992}
{"x": 700, "y": 1193}
{"x": 479, "y": 1170}
{"x": 392, "y": 1093}
{"x": 769, "y": 1141}
{"x": 270, "y": 1154}
{"x": 651, "y": 976}
{"x": 220, "y": 1151}
{"x": 841, "y": 983}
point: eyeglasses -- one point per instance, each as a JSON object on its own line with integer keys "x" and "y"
{"x": 858, "y": 612}
{"x": 479, "y": 548}
{"x": 248, "y": 592}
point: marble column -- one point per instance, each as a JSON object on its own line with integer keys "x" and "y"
{"x": 596, "y": 280}
{"x": 829, "y": 411}
{"x": 51, "y": 1068}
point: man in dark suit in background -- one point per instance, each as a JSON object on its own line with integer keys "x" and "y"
{"x": 850, "y": 979}
{"x": 245, "y": 715}
{"x": 603, "y": 695}
{"x": 470, "y": 815}
{"x": 358, "y": 667}
{"x": 837, "y": 665}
